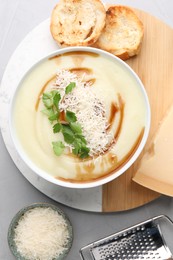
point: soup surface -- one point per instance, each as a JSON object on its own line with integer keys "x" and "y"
{"x": 125, "y": 112}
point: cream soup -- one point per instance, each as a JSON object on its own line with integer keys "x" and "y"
{"x": 125, "y": 111}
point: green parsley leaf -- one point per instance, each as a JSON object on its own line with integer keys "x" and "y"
{"x": 83, "y": 140}
{"x": 70, "y": 87}
{"x": 78, "y": 143}
{"x": 80, "y": 148}
{"x": 76, "y": 128}
{"x": 56, "y": 99}
{"x": 47, "y": 95}
{"x": 57, "y": 128}
{"x": 68, "y": 138}
{"x": 70, "y": 116}
{"x": 53, "y": 92}
{"x": 68, "y": 134}
{"x": 51, "y": 98}
{"x": 58, "y": 147}
{"x": 84, "y": 152}
{"x": 48, "y": 112}
{"x": 66, "y": 129}
{"x": 47, "y": 100}
{"x": 72, "y": 131}
{"x": 75, "y": 150}
{"x": 53, "y": 117}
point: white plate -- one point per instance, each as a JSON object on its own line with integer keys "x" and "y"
{"x": 37, "y": 44}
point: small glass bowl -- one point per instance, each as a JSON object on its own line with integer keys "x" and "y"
{"x": 14, "y": 223}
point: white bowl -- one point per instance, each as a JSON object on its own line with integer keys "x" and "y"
{"x": 108, "y": 177}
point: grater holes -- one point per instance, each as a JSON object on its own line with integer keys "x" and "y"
{"x": 137, "y": 244}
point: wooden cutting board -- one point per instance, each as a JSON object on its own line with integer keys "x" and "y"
{"x": 154, "y": 65}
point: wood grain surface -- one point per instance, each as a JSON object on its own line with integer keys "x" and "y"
{"x": 154, "y": 66}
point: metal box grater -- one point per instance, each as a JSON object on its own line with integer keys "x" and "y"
{"x": 143, "y": 241}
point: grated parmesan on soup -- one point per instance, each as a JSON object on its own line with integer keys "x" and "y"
{"x": 88, "y": 108}
{"x": 41, "y": 234}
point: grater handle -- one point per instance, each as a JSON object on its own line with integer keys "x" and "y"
{"x": 163, "y": 217}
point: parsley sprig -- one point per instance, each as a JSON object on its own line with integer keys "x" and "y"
{"x": 71, "y": 129}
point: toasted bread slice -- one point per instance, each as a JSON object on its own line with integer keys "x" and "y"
{"x": 77, "y": 22}
{"x": 123, "y": 32}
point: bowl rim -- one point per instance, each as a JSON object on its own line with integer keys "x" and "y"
{"x": 21, "y": 212}
{"x": 100, "y": 181}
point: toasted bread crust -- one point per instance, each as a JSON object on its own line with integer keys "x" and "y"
{"x": 77, "y": 22}
{"x": 123, "y": 32}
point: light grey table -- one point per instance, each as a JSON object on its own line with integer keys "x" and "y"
{"x": 17, "y": 19}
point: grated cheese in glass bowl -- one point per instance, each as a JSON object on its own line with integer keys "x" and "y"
{"x": 40, "y": 231}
